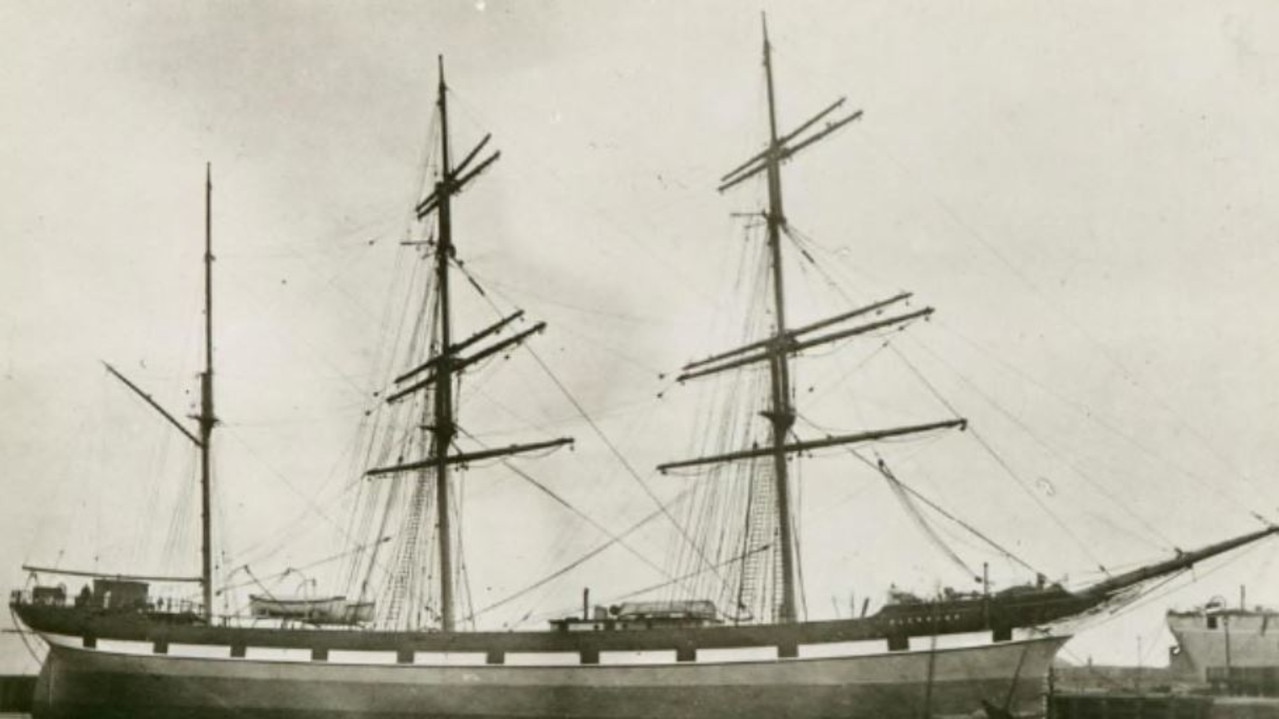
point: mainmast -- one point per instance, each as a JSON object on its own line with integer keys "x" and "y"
{"x": 785, "y": 342}
{"x": 447, "y": 362}
{"x": 207, "y": 419}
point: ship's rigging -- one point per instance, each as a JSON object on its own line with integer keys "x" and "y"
{"x": 737, "y": 541}
{"x": 772, "y": 582}
{"x": 412, "y": 564}
{"x": 421, "y": 461}
{"x": 342, "y": 657}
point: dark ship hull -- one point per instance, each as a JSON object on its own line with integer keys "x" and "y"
{"x": 896, "y": 626}
{"x": 117, "y": 682}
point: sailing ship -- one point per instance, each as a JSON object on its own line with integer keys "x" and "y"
{"x": 115, "y": 651}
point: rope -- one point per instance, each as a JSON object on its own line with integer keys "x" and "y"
{"x": 662, "y": 507}
{"x": 1022, "y": 425}
{"x": 1026, "y": 488}
{"x": 1213, "y": 489}
{"x": 1142, "y": 598}
{"x": 1079, "y": 327}
{"x": 569, "y": 506}
{"x": 280, "y": 575}
{"x": 797, "y": 237}
{"x": 620, "y": 458}
{"x": 22, "y": 635}
{"x": 900, "y": 492}
{"x": 569, "y": 567}
{"x": 654, "y": 587}
{"x": 937, "y": 508}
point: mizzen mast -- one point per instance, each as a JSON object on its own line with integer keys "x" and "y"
{"x": 784, "y": 342}
{"x": 207, "y": 420}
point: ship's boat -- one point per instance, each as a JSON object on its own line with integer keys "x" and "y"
{"x": 327, "y": 610}
{"x": 400, "y": 648}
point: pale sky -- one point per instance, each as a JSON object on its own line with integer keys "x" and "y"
{"x": 1078, "y": 188}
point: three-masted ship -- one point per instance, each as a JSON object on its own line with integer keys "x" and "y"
{"x": 115, "y": 651}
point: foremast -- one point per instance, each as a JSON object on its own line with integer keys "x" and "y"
{"x": 782, "y": 414}
{"x": 443, "y": 429}
{"x": 443, "y": 368}
{"x": 784, "y": 342}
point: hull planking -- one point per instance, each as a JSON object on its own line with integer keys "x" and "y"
{"x": 77, "y": 683}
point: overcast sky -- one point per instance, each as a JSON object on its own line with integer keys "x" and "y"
{"x": 1079, "y": 188}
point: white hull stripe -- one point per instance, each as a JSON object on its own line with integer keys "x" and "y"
{"x": 953, "y": 655}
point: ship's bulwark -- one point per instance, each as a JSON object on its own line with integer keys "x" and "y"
{"x": 1225, "y": 638}
{"x": 90, "y": 684}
